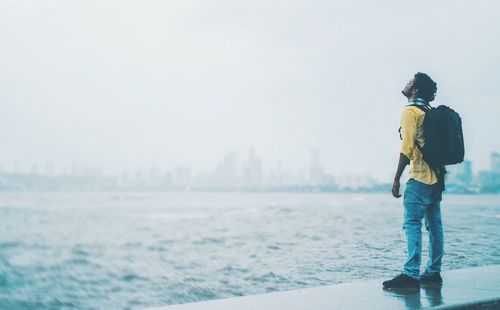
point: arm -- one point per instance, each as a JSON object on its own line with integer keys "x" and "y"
{"x": 403, "y": 162}
{"x": 409, "y": 129}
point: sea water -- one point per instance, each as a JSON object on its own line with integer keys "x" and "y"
{"x": 134, "y": 249}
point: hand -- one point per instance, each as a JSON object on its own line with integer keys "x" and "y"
{"x": 395, "y": 189}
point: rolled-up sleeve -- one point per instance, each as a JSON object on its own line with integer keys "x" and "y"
{"x": 408, "y": 132}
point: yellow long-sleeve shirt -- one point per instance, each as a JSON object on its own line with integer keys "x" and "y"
{"x": 412, "y": 132}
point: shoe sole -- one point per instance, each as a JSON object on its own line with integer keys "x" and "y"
{"x": 431, "y": 283}
{"x": 401, "y": 286}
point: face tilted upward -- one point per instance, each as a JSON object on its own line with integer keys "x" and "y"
{"x": 408, "y": 89}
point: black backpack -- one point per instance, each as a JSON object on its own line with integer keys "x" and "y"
{"x": 443, "y": 135}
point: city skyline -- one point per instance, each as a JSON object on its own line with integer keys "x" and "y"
{"x": 313, "y": 165}
{"x": 232, "y": 174}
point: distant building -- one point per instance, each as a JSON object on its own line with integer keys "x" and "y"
{"x": 181, "y": 177}
{"x": 490, "y": 180}
{"x": 316, "y": 173}
{"x": 226, "y": 172}
{"x": 34, "y": 169}
{"x": 495, "y": 162}
{"x": 49, "y": 168}
{"x": 252, "y": 171}
{"x": 460, "y": 175}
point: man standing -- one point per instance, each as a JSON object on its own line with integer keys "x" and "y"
{"x": 422, "y": 196}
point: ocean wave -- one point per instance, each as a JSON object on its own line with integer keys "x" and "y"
{"x": 166, "y": 252}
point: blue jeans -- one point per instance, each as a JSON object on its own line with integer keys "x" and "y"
{"x": 422, "y": 201}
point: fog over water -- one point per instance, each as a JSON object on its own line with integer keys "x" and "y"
{"x": 127, "y": 84}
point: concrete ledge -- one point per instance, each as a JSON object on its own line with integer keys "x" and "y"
{"x": 472, "y": 288}
{"x": 486, "y": 304}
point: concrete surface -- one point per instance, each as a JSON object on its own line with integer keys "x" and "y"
{"x": 472, "y": 288}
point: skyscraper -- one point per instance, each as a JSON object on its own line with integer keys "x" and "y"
{"x": 252, "y": 171}
{"x": 460, "y": 174}
{"x": 495, "y": 163}
{"x": 316, "y": 174}
{"x": 226, "y": 172}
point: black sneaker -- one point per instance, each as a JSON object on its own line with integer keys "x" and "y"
{"x": 431, "y": 278}
{"x": 402, "y": 281}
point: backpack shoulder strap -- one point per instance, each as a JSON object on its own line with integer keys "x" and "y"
{"x": 425, "y": 108}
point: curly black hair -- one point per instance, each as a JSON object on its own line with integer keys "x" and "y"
{"x": 426, "y": 86}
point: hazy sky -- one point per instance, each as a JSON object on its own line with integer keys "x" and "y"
{"x": 127, "y": 84}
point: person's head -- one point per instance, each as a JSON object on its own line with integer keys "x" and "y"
{"x": 421, "y": 86}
